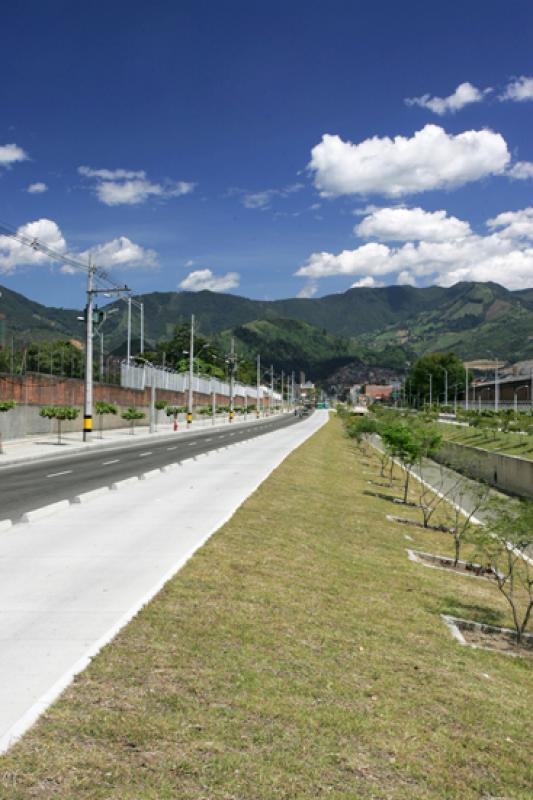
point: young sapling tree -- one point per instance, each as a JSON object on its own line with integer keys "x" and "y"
{"x": 132, "y": 414}
{"x": 61, "y": 414}
{"x": 102, "y": 409}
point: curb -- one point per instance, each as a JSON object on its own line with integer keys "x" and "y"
{"x": 86, "y": 497}
{"x": 45, "y": 511}
{"x": 124, "y": 482}
{"x": 152, "y": 473}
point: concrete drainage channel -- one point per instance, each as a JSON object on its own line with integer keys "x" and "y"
{"x": 37, "y": 514}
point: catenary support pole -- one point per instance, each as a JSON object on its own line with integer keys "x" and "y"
{"x": 88, "y": 395}
{"x": 191, "y": 374}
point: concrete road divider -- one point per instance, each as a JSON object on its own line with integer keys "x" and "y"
{"x": 45, "y": 511}
{"x": 152, "y": 473}
{"x": 86, "y": 497}
{"x": 124, "y": 482}
{"x": 171, "y": 467}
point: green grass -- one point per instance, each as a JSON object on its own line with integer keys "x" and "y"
{"x": 298, "y": 655}
{"x": 514, "y": 444}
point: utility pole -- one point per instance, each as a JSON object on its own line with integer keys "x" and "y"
{"x": 445, "y": 386}
{"x": 213, "y": 404}
{"x": 271, "y": 387}
{"x": 142, "y": 327}
{"x": 258, "y": 398}
{"x": 191, "y": 373}
{"x": 232, "y": 380}
{"x": 128, "y": 353}
{"x": 466, "y": 387}
{"x": 496, "y": 388}
{"x": 282, "y": 377}
{"x": 88, "y": 398}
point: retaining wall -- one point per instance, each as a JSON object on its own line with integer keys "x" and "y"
{"x": 33, "y": 391}
{"x": 510, "y": 474}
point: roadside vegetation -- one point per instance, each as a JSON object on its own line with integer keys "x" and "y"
{"x": 298, "y": 654}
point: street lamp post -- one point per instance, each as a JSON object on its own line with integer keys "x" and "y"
{"x": 258, "y": 397}
{"x": 430, "y": 388}
{"x": 191, "y": 374}
{"x": 271, "y": 387}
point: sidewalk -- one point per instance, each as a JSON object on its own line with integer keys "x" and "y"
{"x": 45, "y": 445}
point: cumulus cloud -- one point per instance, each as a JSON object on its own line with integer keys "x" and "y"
{"x": 14, "y": 254}
{"x": 519, "y": 89}
{"x": 202, "y": 279}
{"x": 10, "y": 154}
{"x": 521, "y": 171}
{"x": 399, "y": 224}
{"x": 308, "y": 290}
{"x": 430, "y": 159}
{"x": 120, "y": 253}
{"x": 368, "y": 282}
{"x": 37, "y": 188}
{"x": 131, "y": 187}
{"x": 504, "y": 255}
{"x": 464, "y": 95}
{"x": 513, "y": 224}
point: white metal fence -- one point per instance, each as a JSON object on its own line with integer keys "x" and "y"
{"x": 135, "y": 377}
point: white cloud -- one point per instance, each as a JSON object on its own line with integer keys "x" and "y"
{"x": 10, "y": 154}
{"x": 121, "y": 253}
{"x": 37, "y": 188}
{"x": 518, "y": 90}
{"x": 521, "y": 171}
{"x": 190, "y": 263}
{"x": 368, "y": 282}
{"x": 308, "y": 290}
{"x": 14, "y": 254}
{"x": 405, "y": 278}
{"x": 430, "y": 159}
{"x": 464, "y": 95}
{"x": 131, "y": 187}
{"x": 513, "y": 224}
{"x": 504, "y": 256}
{"x": 264, "y": 198}
{"x": 202, "y": 279}
{"x": 399, "y": 224}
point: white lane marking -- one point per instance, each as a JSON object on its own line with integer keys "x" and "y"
{"x": 112, "y": 461}
{"x": 56, "y": 474}
{"x": 191, "y": 444}
{"x": 173, "y": 448}
{"x": 149, "y": 453}
{"x": 209, "y": 440}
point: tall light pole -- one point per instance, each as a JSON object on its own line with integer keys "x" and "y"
{"x": 258, "y": 397}
{"x": 232, "y": 380}
{"x": 88, "y": 392}
{"x": 128, "y": 351}
{"x": 191, "y": 374}
{"x": 271, "y": 387}
{"x": 142, "y": 327}
{"x": 430, "y": 389}
{"x": 496, "y": 388}
{"x": 466, "y": 387}
{"x": 445, "y": 386}
{"x": 524, "y": 386}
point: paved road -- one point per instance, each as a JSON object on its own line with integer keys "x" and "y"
{"x": 30, "y": 485}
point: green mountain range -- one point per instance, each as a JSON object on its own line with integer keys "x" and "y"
{"x": 384, "y": 327}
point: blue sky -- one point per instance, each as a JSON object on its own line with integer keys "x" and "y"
{"x": 181, "y": 143}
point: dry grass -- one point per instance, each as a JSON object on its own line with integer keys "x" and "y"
{"x": 298, "y": 655}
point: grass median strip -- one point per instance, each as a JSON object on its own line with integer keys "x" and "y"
{"x": 299, "y": 654}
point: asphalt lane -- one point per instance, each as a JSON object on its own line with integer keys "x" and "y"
{"x": 30, "y": 485}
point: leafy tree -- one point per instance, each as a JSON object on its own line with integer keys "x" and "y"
{"x": 5, "y": 406}
{"x": 434, "y": 364}
{"x": 132, "y": 414}
{"x": 159, "y": 406}
{"x": 61, "y": 414}
{"x": 102, "y": 409}
{"x": 505, "y": 544}
{"x": 401, "y": 443}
